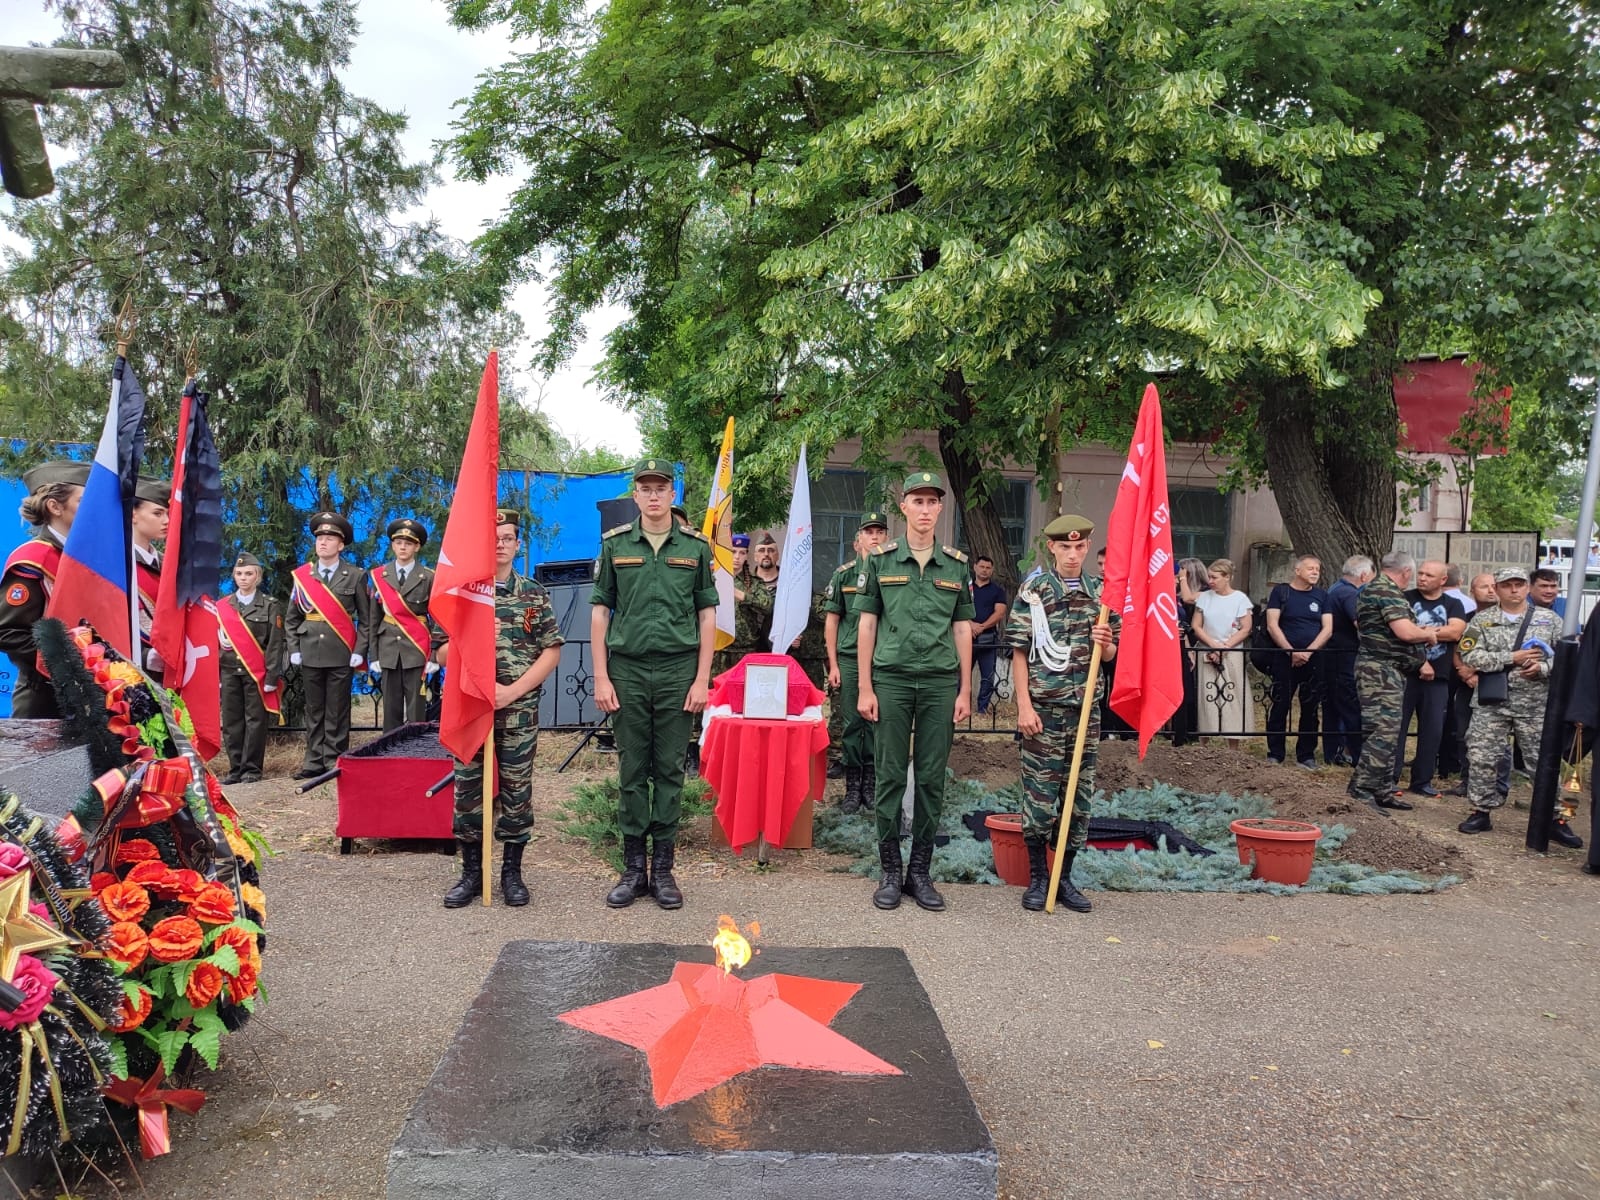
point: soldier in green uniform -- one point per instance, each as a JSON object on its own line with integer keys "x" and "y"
{"x": 54, "y": 490}
{"x": 244, "y": 696}
{"x": 652, "y": 631}
{"x": 326, "y": 646}
{"x": 914, "y": 650}
{"x": 527, "y": 648}
{"x": 850, "y": 733}
{"x": 1051, "y": 634}
{"x": 398, "y": 659}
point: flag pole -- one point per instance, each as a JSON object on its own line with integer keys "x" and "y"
{"x": 1077, "y": 765}
{"x": 491, "y": 789}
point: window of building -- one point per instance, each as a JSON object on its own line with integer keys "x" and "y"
{"x": 1013, "y": 499}
{"x": 837, "y": 502}
{"x": 1199, "y": 522}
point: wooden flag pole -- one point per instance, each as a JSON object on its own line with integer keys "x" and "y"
{"x": 491, "y": 788}
{"x": 1077, "y": 765}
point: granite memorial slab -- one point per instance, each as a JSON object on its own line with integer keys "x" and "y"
{"x": 809, "y": 1074}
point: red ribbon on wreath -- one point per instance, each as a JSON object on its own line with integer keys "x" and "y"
{"x": 151, "y": 1099}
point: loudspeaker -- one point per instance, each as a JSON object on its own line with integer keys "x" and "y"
{"x": 620, "y": 511}
{"x": 554, "y": 574}
{"x": 567, "y": 699}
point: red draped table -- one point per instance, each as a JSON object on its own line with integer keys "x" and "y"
{"x": 762, "y": 772}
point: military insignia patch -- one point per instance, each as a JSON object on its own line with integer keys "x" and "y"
{"x": 18, "y": 594}
{"x": 861, "y": 580}
{"x": 1467, "y": 643}
{"x": 527, "y": 620}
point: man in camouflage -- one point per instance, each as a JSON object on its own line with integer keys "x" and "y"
{"x": 846, "y": 729}
{"x": 1051, "y": 633}
{"x": 527, "y": 649}
{"x": 1385, "y": 658}
{"x": 752, "y": 610}
{"x": 1518, "y": 638}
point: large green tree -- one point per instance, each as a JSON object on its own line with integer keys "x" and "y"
{"x": 246, "y": 203}
{"x": 994, "y": 220}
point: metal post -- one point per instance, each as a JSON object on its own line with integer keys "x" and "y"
{"x": 1584, "y": 533}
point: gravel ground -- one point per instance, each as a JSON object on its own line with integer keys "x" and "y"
{"x": 1200, "y": 1045}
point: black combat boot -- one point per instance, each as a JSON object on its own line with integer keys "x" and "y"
{"x": 470, "y": 886}
{"x": 512, "y": 890}
{"x": 852, "y": 791}
{"x": 691, "y": 761}
{"x": 1478, "y": 822}
{"x": 634, "y": 882}
{"x": 1067, "y": 892}
{"x": 869, "y": 787}
{"x": 888, "y": 894}
{"x": 917, "y": 881}
{"x": 662, "y": 885}
{"x": 1562, "y": 832}
{"x": 1038, "y": 875}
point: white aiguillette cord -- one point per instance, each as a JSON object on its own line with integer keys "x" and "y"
{"x": 1045, "y": 648}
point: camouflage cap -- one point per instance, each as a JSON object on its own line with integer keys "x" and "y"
{"x": 60, "y": 471}
{"x": 922, "y": 481}
{"x": 153, "y": 491}
{"x": 1507, "y": 574}
{"x": 331, "y": 522}
{"x": 1069, "y": 527}
{"x": 406, "y": 527}
{"x": 873, "y": 518}
{"x": 652, "y": 468}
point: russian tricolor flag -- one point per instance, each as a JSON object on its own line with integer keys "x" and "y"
{"x": 94, "y": 584}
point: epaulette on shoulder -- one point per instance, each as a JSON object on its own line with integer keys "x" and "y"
{"x": 886, "y": 547}
{"x": 619, "y": 529}
{"x": 693, "y": 532}
{"x": 954, "y": 553}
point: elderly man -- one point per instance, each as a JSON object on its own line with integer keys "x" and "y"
{"x": 1386, "y": 658}
{"x": 1428, "y": 691}
{"x": 1342, "y": 707}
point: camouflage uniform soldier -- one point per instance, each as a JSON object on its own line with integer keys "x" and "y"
{"x": 1384, "y": 658}
{"x": 527, "y": 649}
{"x": 1501, "y": 637}
{"x": 1051, "y": 634}
{"x": 846, "y": 729}
{"x": 752, "y": 611}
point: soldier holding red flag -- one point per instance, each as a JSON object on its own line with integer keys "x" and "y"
{"x": 327, "y": 626}
{"x": 402, "y": 636}
{"x": 251, "y": 650}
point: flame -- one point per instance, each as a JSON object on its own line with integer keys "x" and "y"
{"x": 731, "y": 947}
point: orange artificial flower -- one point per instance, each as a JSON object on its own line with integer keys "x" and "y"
{"x": 100, "y": 881}
{"x": 243, "y": 943}
{"x": 133, "y": 1012}
{"x": 243, "y": 985}
{"x": 214, "y": 905}
{"x": 255, "y": 900}
{"x": 205, "y": 984}
{"x": 152, "y": 875}
{"x": 127, "y": 943}
{"x": 176, "y": 939}
{"x": 189, "y": 884}
{"x": 136, "y": 850}
{"x": 125, "y": 901}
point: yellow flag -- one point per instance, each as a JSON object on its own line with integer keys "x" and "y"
{"x": 718, "y": 529}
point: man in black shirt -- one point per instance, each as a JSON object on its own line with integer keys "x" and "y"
{"x": 1300, "y": 623}
{"x": 989, "y": 602}
{"x": 1341, "y": 710}
{"x": 1428, "y": 692}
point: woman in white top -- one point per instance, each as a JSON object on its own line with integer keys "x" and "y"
{"x": 1222, "y": 623}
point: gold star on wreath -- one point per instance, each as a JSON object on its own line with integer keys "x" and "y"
{"x": 20, "y": 931}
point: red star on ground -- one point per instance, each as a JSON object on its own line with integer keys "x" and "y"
{"x": 703, "y": 1027}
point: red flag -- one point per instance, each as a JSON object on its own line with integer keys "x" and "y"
{"x": 185, "y": 625}
{"x": 463, "y": 582}
{"x": 1139, "y": 577}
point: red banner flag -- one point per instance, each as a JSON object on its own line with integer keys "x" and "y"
{"x": 1140, "y": 580}
{"x": 463, "y": 583}
{"x": 185, "y": 629}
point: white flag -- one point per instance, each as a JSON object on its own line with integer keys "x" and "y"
{"x": 791, "y": 607}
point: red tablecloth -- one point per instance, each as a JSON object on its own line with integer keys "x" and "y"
{"x": 762, "y": 772}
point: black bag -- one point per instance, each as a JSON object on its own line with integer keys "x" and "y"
{"x": 1494, "y": 687}
{"x": 1265, "y": 654}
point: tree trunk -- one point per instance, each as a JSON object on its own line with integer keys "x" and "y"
{"x": 963, "y": 470}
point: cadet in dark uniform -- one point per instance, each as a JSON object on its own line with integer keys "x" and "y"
{"x": 527, "y": 648}
{"x": 1051, "y": 634}
{"x": 914, "y": 647}
{"x": 251, "y": 647}
{"x": 327, "y": 624}
{"x": 54, "y": 489}
{"x": 403, "y": 635}
{"x": 652, "y": 632}
{"x": 854, "y": 735}
{"x": 150, "y": 520}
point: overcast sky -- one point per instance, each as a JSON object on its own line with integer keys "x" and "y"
{"x": 408, "y": 58}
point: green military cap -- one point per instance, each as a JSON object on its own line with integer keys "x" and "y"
{"x": 153, "y": 491}
{"x": 766, "y": 539}
{"x": 508, "y": 516}
{"x": 922, "y": 481}
{"x": 331, "y": 522}
{"x": 246, "y": 559}
{"x": 1069, "y": 527}
{"x": 1507, "y": 574}
{"x": 406, "y": 527}
{"x": 652, "y": 468}
{"x": 59, "y": 471}
{"x": 871, "y": 518}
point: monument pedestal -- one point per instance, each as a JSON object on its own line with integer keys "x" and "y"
{"x": 525, "y": 1105}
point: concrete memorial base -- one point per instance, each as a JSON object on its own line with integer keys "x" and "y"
{"x": 527, "y": 1104}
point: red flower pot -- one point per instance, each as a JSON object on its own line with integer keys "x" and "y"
{"x": 1010, "y": 851}
{"x": 1279, "y": 851}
